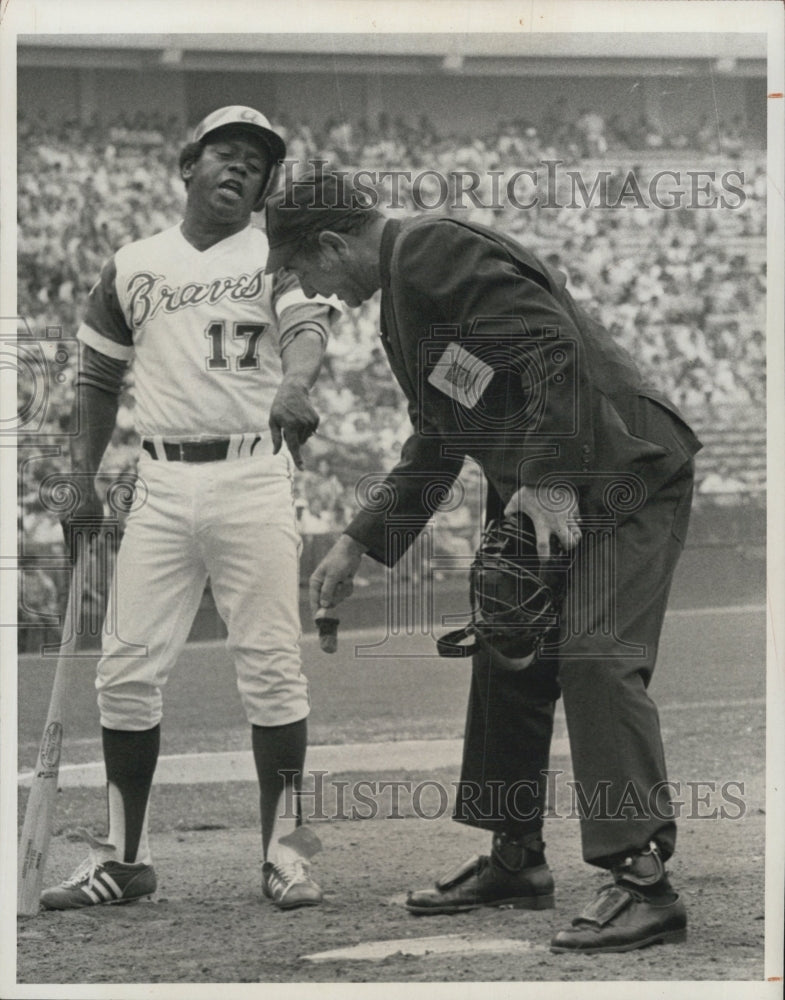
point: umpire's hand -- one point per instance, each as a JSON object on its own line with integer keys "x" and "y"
{"x": 547, "y": 521}
{"x": 331, "y": 581}
{"x": 292, "y": 418}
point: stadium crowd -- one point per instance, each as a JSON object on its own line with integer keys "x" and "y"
{"x": 683, "y": 289}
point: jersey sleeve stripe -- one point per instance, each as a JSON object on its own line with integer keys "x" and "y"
{"x": 103, "y": 344}
{"x": 309, "y": 326}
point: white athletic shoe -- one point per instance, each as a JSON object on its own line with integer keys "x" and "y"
{"x": 289, "y": 885}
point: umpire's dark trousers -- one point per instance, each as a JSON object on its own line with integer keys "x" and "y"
{"x": 601, "y": 664}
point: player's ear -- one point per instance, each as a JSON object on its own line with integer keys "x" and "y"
{"x": 333, "y": 243}
{"x": 189, "y": 154}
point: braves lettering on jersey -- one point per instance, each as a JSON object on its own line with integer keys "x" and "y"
{"x": 204, "y": 331}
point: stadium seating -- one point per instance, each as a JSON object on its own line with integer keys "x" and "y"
{"x": 683, "y": 290}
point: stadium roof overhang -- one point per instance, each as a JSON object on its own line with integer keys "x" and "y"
{"x": 524, "y": 54}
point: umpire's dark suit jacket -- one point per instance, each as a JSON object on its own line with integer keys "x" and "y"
{"x": 498, "y": 363}
{"x": 564, "y": 397}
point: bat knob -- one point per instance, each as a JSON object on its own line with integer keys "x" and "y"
{"x": 327, "y": 626}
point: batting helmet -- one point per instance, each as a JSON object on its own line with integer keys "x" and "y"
{"x": 254, "y": 121}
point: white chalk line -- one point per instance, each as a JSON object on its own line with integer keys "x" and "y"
{"x": 204, "y": 768}
{"x": 731, "y": 609}
{"x": 333, "y": 759}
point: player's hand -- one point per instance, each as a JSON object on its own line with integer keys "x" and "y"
{"x": 547, "y": 521}
{"x": 86, "y": 511}
{"x": 332, "y": 580}
{"x": 292, "y": 418}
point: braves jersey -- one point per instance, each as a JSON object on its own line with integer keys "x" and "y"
{"x": 203, "y": 329}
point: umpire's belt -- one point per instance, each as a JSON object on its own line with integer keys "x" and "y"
{"x": 213, "y": 450}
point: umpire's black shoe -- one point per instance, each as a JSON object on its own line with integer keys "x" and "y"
{"x": 514, "y": 875}
{"x": 639, "y": 908}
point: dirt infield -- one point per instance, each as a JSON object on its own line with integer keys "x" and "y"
{"x": 209, "y": 924}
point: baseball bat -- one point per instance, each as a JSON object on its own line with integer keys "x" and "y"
{"x": 37, "y": 827}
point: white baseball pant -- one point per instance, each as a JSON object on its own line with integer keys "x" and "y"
{"x": 233, "y": 521}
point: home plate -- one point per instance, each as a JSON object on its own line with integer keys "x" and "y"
{"x": 375, "y": 951}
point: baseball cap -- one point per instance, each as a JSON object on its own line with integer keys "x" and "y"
{"x": 237, "y": 114}
{"x": 309, "y": 205}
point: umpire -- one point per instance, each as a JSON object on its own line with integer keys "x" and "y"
{"x": 499, "y": 365}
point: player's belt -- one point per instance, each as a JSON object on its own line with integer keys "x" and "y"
{"x": 216, "y": 450}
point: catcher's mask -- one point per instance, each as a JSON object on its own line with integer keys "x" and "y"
{"x": 515, "y": 601}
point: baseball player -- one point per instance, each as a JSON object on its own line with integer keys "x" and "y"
{"x": 499, "y": 365}
{"x": 222, "y": 356}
